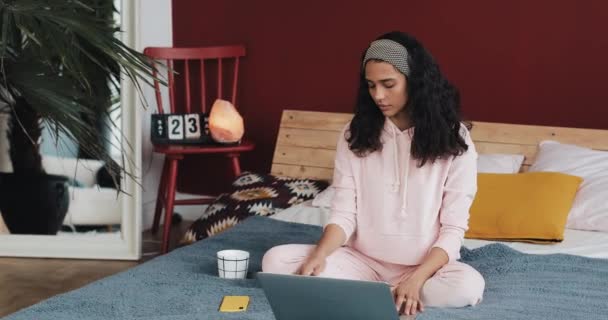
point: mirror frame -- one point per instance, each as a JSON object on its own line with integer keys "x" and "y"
{"x": 128, "y": 246}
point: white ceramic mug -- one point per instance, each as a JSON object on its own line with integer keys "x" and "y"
{"x": 232, "y": 264}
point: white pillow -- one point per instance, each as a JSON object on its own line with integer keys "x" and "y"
{"x": 590, "y": 208}
{"x": 499, "y": 163}
{"x": 323, "y": 198}
{"x": 304, "y": 213}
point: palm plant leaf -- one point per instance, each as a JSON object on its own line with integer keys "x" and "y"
{"x": 51, "y": 55}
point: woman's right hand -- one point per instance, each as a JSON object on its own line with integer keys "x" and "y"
{"x": 313, "y": 266}
{"x": 333, "y": 237}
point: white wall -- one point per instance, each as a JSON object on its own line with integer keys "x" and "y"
{"x": 156, "y": 31}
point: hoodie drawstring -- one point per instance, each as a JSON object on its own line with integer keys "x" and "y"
{"x": 396, "y": 171}
{"x": 396, "y": 183}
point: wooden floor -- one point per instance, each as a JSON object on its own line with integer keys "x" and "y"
{"x": 26, "y": 281}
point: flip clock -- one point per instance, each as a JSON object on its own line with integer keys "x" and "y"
{"x": 189, "y": 128}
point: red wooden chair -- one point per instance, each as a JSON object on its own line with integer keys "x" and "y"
{"x": 193, "y": 68}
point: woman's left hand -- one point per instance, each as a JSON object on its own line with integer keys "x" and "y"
{"x": 407, "y": 296}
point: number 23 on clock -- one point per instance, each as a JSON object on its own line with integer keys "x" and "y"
{"x": 178, "y": 127}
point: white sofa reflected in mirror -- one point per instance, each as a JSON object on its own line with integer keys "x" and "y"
{"x": 90, "y": 203}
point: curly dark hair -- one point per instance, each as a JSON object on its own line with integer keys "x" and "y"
{"x": 433, "y": 107}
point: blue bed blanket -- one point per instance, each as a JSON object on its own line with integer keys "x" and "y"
{"x": 184, "y": 284}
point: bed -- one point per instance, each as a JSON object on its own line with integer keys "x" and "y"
{"x": 184, "y": 284}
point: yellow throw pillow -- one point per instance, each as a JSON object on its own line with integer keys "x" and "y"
{"x": 529, "y": 207}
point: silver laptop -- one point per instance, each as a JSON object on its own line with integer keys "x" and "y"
{"x": 295, "y": 297}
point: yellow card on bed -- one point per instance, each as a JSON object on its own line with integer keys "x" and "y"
{"x": 234, "y": 303}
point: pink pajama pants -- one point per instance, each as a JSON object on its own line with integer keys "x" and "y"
{"x": 454, "y": 285}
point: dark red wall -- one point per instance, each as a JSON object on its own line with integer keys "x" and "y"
{"x": 535, "y": 62}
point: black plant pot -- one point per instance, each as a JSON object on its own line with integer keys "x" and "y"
{"x": 33, "y": 204}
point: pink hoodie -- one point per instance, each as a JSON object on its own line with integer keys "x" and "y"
{"x": 394, "y": 211}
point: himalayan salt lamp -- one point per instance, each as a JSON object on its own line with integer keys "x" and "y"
{"x": 225, "y": 122}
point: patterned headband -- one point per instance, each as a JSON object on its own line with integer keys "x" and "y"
{"x": 389, "y": 51}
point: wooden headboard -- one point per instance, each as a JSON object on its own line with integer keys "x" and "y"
{"x": 307, "y": 140}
